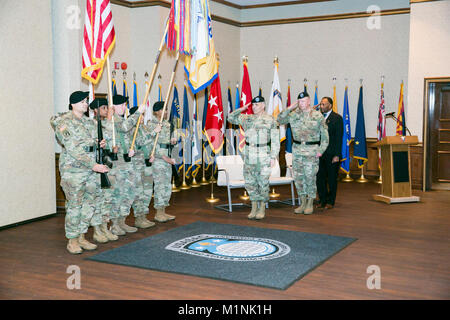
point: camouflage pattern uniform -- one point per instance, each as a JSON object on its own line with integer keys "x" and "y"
{"x": 262, "y": 141}
{"x": 306, "y": 127}
{"x": 162, "y": 171}
{"x": 122, "y": 174}
{"x": 144, "y": 178}
{"x": 80, "y": 184}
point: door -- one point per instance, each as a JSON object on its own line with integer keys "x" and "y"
{"x": 438, "y": 137}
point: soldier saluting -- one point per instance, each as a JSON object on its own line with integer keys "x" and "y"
{"x": 77, "y": 135}
{"x": 262, "y": 145}
{"x": 310, "y": 139}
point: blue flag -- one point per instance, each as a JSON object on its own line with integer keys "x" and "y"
{"x": 174, "y": 119}
{"x": 316, "y": 99}
{"x": 288, "y": 127}
{"x": 114, "y": 87}
{"x": 185, "y": 127}
{"x": 346, "y": 137}
{"x": 360, "y": 147}
{"x": 135, "y": 95}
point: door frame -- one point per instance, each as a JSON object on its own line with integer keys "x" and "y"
{"x": 426, "y": 107}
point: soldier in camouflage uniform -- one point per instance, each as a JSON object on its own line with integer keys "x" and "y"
{"x": 77, "y": 135}
{"x": 144, "y": 179}
{"x": 101, "y": 219}
{"x": 123, "y": 173}
{"x": 161, "y": 161}
{"x": 262, "y": 141}
{"x": 310, "y": 139}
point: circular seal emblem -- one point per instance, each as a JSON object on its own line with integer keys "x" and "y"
{"x": 231, "y": 248}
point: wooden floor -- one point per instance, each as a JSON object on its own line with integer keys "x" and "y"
{"x": 409, "y": 242}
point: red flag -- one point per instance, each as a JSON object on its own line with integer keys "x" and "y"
{"x": 214, "y": 117}
{"x": 246, "y": 99}
{"x": 99, "y": 38}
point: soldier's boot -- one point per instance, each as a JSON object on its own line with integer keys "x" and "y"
{"x": 142, "y": 222}
{"x": 108, "y": 234}
{"x": 168, "y": 216}
{"x": 302, "y": 205}
{"x": 159, "y": 216}
{"x": 126, "y": 227}
{"x": 254, "y": 210}
{"x": 309, "y": 206}
{"x": 116, "y": 229}
{"x": 99, "y": 236}
{"x": 86, "y": 244}
{"x": 260, "y": 214}
{"x": 73, "y": 246}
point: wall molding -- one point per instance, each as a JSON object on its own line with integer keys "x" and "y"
{"x": 341, "y": 16}
{"x": 266, "y": 5}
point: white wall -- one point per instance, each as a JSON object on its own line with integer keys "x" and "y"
{"x": 27, "y": 175}
{"x": 338, "y": 48}
{"x": 429, "y": 49}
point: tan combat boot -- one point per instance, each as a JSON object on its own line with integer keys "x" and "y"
{"x": 302, "y": 205}
{"x": 168, "y": 216}
{"x": 116, "y": 229}
{"x": 86, "y": 244}
{"x": 126, "y": 227}
{"x": 142, "y": 222}
{"x": 99, "y": 236}
{"x": 309, "y": 206}
{"x": 73, "y": 247}
{"x": 261, "y": 211}
{"x": 254, "y": 210}
{"x": 108, "y": 234}
{"x": 160, "y": 215}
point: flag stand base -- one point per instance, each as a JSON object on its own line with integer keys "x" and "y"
{"x": 347, "y": 178}
{"x": 185, "y": 186}
{"x": 379, "y": 180}
{"x": 273, "y": 194}
{"x": 195, "y": 184}
{"x": 244, "y": 197}
{"x": 212, "y": 199}
{"x": 204, "y": 182}
{"x": 174, "y": 186}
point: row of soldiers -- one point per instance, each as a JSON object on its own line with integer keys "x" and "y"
{"x": 134, "y": 171}
{"x": 132, "y": 174}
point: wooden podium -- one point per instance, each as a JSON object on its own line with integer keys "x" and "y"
{"x": 396, "y": 169}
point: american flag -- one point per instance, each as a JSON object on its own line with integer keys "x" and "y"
{"x": 381, "y": 127}
{"x": 99, "y": 38}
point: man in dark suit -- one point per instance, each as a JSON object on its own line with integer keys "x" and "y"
{"x": 329, "y": 162}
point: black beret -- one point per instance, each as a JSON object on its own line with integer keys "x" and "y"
{"x": 133, "y": 110}
{"x": 78, "y": 96}
{"x": 98, "y": 102}
{"x": 119, "y": 99}
{"x": 302, "y": 95}
{"x": 158, "y": 105}
{"x": 258, "y": 99}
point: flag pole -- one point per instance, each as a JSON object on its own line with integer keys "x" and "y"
{"x": 243, "y": 197}
{"x": 110, "y": 102}
{"x": 152, "y": 77}
{"x": 204, "y": 182}
{"x": 274, "y": 194}
{"x": 212, "y": 199}
{"x": 184, "y": 186}
{"x": 172, "y": 78}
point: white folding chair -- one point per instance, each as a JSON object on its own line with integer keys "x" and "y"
{"x": 230, "y": 175}
{"x": 276, "y": 180}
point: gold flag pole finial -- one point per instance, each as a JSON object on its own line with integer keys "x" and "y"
{"x": 276, "y": 60}
{"x": 245, "y": 59}
{"x": 146, "y": 76}
{"x": 134, "y": 76}
{"x": 124, "y": 74}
